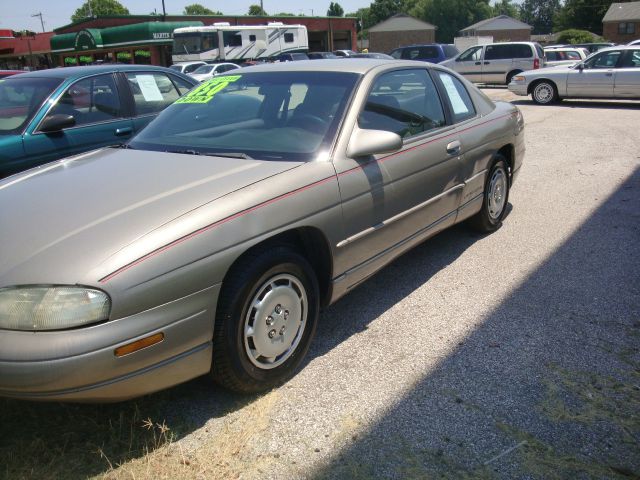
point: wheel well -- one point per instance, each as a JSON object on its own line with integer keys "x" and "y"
{"x": 312, "y": 245}
{"x": 508, "y": 152}
{"x": 536, "y": 82}
{"x": 512, "y": 73}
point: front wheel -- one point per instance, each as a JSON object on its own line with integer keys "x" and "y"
{"x": 544, "y": 93}
{"x": 496, "y": 196}
{"x": 266, "y": 318}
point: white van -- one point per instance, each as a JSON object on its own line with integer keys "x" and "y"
{"x": 497, "y": 63}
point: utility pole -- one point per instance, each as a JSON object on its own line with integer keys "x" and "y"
{"x": 261, "y": 8}
{"x": 164, "y": 12}
{"x": 39, "y": 14}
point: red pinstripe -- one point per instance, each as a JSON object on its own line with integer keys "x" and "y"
{"x": 276, "y": 199}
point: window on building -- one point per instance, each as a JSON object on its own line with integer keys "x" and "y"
{"x": 288, "y": 38}
{"x": 626, "y": 28}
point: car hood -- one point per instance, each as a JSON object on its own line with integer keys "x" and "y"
{"x": 60, "y": 221}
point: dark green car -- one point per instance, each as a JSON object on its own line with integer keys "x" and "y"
{"x": 51, "y": 114}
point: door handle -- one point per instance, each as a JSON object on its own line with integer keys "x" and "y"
{"x": 478, "y": 63}
{"x": 123, "y": 131}
{"x": 487, "y": 63}
{"x": 454, "y": 148}
{"x": 608, "y": 74}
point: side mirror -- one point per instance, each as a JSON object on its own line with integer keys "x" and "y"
{"x": 371, "y": 142}
{"x": 57, "y": 122}
{"x": 580, "y": 66}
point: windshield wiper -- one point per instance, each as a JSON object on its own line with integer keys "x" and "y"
{"x": 242, "y": 155}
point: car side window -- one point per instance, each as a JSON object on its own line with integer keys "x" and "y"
{"x": 604, "y": 60}
{"x": 461, "y": 104}
{"x": 191, "y": 68}
{"x": 497, "y": 52}
{"x": 553, "y": 56}
{"x": 183, "y": 85}
{"x": 474, "y": 53}
{"x": 632, "y": 60}
{"x": 152, "y": 92}
{"x": 405, "y": 102}
{"x": 91, "y": 100}
{"x": 397, "y": 53}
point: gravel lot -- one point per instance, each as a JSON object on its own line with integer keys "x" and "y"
{"x": 513, "y": 355}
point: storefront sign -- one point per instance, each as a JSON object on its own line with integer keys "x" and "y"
{"x": 84, "y": 41}
{"x": 162, "y": 35}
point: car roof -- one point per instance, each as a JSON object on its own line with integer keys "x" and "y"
{"x": 356, "y": 65}
{"x": 618, "y": 47}
{"x": 188, "y": 63}
{"x": 72, "y": 72}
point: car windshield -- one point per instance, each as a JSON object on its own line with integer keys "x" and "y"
{"x": 267, "y": 115}
{"x": 203, "y": 69}
{"x": 20, "y": 98}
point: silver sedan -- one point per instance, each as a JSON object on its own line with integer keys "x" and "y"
{"x": 610, "y": 73}
{"x": 209, "y": 243}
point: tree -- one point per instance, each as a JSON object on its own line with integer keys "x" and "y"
{"x": 99, "y": 8}
{"x": 197, "y": 9}
{"x": 451, "y": 16}
{"x": 382, "y": 9}
{"x": 364, "y": 21}
{"x": 505, "y": 7}
{"x": 335, "y": 10}
{"x": 539, "y": 14}
{"x": 257, "y": 10}
{"x": 573, "y": 36}
{"x": 582, "y": 14}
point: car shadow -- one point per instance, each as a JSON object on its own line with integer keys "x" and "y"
{"x": 84, "y": 440}
{"x": 545, "y": 387}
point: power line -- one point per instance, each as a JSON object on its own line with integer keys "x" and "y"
{"x": 39, "y": 14}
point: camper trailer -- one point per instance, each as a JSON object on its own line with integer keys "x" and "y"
{"x": 239, "y": 42}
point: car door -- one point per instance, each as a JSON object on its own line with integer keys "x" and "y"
{"x": 469, "y": 64}
{"x": 151, "y": 92}
{"x": 100, "y": 120}
{"x": 497, "y": 63}
{"x": 597, "y": 78}
{"x": 390, "y": 199}
{"x": 627, "y": 77}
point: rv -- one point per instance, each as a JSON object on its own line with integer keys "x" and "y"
{"x": 241, "y": 42}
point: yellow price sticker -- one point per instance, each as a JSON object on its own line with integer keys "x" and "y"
{"x": 205, "y": 92}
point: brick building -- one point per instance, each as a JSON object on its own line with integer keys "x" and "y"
{"x": 621, "y": 23}
{"x": 502, "y": 28}
{"x": 148, "y": 38}
{"x": 398, "y": 31}
{"x": 19, "y": 50}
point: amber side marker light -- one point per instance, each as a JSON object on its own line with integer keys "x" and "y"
{"x": 139, "y": 344}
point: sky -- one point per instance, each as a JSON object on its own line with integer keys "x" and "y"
{"x": 16, "y": 14}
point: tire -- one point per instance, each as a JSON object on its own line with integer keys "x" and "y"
{"x": 266, "y": 318}
{"x": 544, "y": 93}
{"x": 495, "y": 199}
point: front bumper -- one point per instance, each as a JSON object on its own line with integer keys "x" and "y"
{"x": 518, "y": 88}
{"x": 80, "y": 364}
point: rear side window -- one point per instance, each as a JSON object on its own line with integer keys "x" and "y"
{"x": 461, "y": 104}
{"x": 192, "y": 67}
{"x": 450, "y": 51}
{"x": 553, "y": 56}
{"x": 605, "y": 60}
{"x": 183, "y": 85}
{"x": 520, "y": 50}
{"x": 397, "y": 53}
{"x": 405, "y": 102}
{"x": 152, "y": 92}
{"x": 540, "y": 51}
{"x": 497, "y": 52}
{"x": 632, "y": 59}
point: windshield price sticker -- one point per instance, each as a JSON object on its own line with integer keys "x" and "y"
{"x": 205, "y": 92}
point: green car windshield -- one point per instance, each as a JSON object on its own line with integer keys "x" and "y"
{"x": 267, "y": 115}
{"x": 20, "y": 99}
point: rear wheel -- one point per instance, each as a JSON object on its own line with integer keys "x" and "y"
{"x": 496, "y": 196}
{"x": 511, "y": 75}
{"x": 544, "y": 92}
{"x": 266, "y": 318}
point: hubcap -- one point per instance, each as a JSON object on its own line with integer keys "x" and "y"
{"x": 543, "y": 93}
{"x": 275, "y": 321}
{"x": 497, "y": 193}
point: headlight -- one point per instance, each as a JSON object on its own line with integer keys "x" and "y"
{"x": 518, "y": 78}
{"x": 51, "y": 308}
